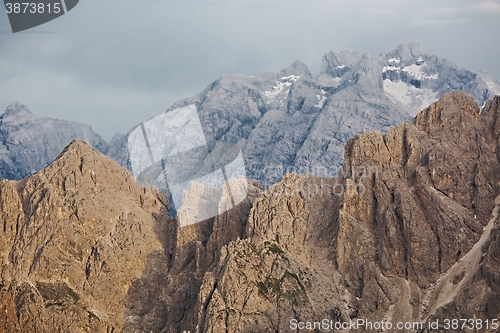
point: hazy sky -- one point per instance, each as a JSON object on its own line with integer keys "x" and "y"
{"x": 115, "y": 63}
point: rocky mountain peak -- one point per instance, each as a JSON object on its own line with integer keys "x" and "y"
{"x": 15, "y": 106}
{"x": 77, "y": 151}
{"x": 368, "y": 73}
{"x": 29, "y": 143}
{"x": 450, "y": 109}
{"x": 413, "y": 79}
{"x": 89, "y": 215}
{"x": 78, "y": 147}
{"x": 336, "y": 64}
{"x": 16, "y": 113}
{"x": 297, "y": 68}
{"x": 407, "y": 52}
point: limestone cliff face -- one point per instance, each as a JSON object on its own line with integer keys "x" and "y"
{"x": 165, "y": 299}
{"x": 85, "y": 248}
{"x": 408, "y": 231}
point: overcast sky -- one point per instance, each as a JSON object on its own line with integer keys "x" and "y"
{"x": 115, "y": 63}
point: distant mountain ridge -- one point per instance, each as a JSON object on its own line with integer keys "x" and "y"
{"x": 283, "y": 122}
{"x": 292, "y": 121}
{"x": 415, "y": 79}
{"x": 29, "y": 143}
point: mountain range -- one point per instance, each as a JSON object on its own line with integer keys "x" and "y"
{"x": 282, "y": 122}
{"x": 391, "y": 214}
{"x": 292, "y": 121}
{"x": 408, "y": 232}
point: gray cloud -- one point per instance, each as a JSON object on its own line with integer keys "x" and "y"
{"x": 461, "y": 9}
{"x": 115, "y": 63}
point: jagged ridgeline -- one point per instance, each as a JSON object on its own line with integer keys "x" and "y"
{"x": 413, "y": 238}
{"x": 292, "y": 121}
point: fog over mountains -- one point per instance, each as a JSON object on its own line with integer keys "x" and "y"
{"x": 286, "y": 121}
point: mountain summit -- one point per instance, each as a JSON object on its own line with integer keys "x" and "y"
{"x": 16, "y": 111}
{"x": 75, "y": 236}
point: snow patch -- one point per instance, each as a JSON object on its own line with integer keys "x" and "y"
{"x": 291, "y": 77}
{"x": 279, "y": 89}
{"x": 414, "y": 69}
{"x": 417, "y": 72}
{"x": 414, "y": 99}
{"x": 390, "y": 68}
{"x": 481, "y": 111}
{"x": 321, "y": 101}
{"x": 394, "y": 60}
